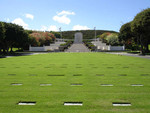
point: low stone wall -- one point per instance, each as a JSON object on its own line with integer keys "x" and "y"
{"x": 111, "y": 48}
{"x": 52, "y": 47}
{"x": 44, "y": 48}
{"x": 116, "y": 48}
{"x": 102, "y": 47}
{"x": 36, "y": 48}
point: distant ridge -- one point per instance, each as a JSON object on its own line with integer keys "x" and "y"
{"x": 87, "y": 34}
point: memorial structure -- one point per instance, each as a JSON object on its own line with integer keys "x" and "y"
{"x": 78, "y": 37}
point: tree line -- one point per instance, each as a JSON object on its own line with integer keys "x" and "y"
{"x": 137, "y": 32}
{"x": 87, "y": 34}
{"x": 135, "y": 35}
{"x": 12, "y": 35}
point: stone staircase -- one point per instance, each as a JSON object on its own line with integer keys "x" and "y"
{"x": 78, "y": 47}
{"x": 100, "y": 45}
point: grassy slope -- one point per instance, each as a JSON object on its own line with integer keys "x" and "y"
{"x": 95, "y": 98}
{"x": 87, "y": 34}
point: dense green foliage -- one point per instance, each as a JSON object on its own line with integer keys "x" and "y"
{"x": 65, "y": 45}
{"x": 41, "y": 38}
{"x": 137, "y": 32}
{"x": 104, "y": 36}
{"x": 91, "y": 46}
{"x": 112, "y": 39}
{"x": 2, "y": 31}
{"x": 140, "y": 26}
{"x": 12, "y": 35}
{"x": 87, "y": 34}
{"x": 125, "y": 32}
{"x": 95, "y": 69}
{"x": 127, "y": 38}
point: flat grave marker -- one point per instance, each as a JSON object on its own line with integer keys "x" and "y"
{"x": 118, "y": 64}
{"x": 99, "y": 74}
{"x": 55, "y": 75}
{"x": 47, "y": 67}
{"x": 2, "y": 67}
{"x": 45, "y": 84}
{"x": 38, "y": 64}
{"x": 141, "y": 67}
{"x": 73, "y": 103}
{"x": 110, "y": 67}
{"x": 77, "y": 75}
{"x": 31, "y": 67}
{"x": 26, "y": 103}
{"x": 32, "y": 75}
{"x": 137, "y": 85}
{"x": 12, "y": 74}
{"x": 76, "y": 84}
{"x": 121, "y": 104}
{"x": 125, "y": 67}
{"x": 78, "y": 67}
{"x": 94, "y": 67}
{"x": 16, "y": 84}
{"x": 17, "y": 67}
{"x": 64, "y": 64}
{"x": 78, "y": 64}
{"x": 105, "y": 64}
{"x": 63, "y": 67}
{"x": 122, "y": 74}
{"x": 107, "y": 85}
{"x": 144, "y": 74}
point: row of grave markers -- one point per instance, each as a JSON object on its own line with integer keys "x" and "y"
{"x": 76, "y": 67}
{"x": 75, "y": 84}
{"x": 81, "y": 75}
{"x": 75, "y": 103}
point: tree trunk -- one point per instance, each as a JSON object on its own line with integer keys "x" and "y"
{"x": 0, "y": 50}
{"x": 11, "y": 49}
{"x": 142, "y": 49}
{"x": 4, "y": 51}
{"x": 7, "y": 49}
{"x": 147, "y": 48}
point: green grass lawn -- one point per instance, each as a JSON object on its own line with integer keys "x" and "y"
{"x": 95, "y": 98}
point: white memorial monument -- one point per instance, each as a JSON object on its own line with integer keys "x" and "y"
{"x": 78, "y": 37}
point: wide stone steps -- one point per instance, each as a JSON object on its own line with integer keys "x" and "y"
{"x": 78, "y": 47}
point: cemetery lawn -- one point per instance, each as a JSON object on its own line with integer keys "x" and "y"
{"x": 91, "y": 70}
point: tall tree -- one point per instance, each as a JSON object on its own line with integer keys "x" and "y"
{"x": 125, "y": 32}
{"x": 140, "y": 26}
{"x": 112, "y": 39}
{"x": 12, "y": 35}
{"x": 126, "y": 35}
{"x": 2, "y": 34}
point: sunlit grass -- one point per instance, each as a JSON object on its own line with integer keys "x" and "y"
{"x": 58, "y": 69}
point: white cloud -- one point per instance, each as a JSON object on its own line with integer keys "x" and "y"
{"x": 7, "y": 19}
{"x": 62, "y": 19}
{"x": 66, "y": 13}
{"x": 20, "y": 22}
{"x": 43, "y": 28}
{"x": 30, "y": 16}
{"x": 52, "y": 28}
{"x": 79, "y": 27}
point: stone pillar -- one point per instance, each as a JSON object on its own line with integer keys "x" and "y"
{"x": 78, "y": 37}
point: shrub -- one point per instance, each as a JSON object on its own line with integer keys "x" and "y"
{"x": 41, "y": 38}
{"x": 112, "y": 39}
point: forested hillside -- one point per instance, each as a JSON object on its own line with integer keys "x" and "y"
{"x": 87, "y": 34}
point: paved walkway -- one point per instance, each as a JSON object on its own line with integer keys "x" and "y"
{"x": 78, "y": 47}
{"x": 129, "y": 54}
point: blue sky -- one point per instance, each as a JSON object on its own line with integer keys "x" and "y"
{"x": 71, "y": 14}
